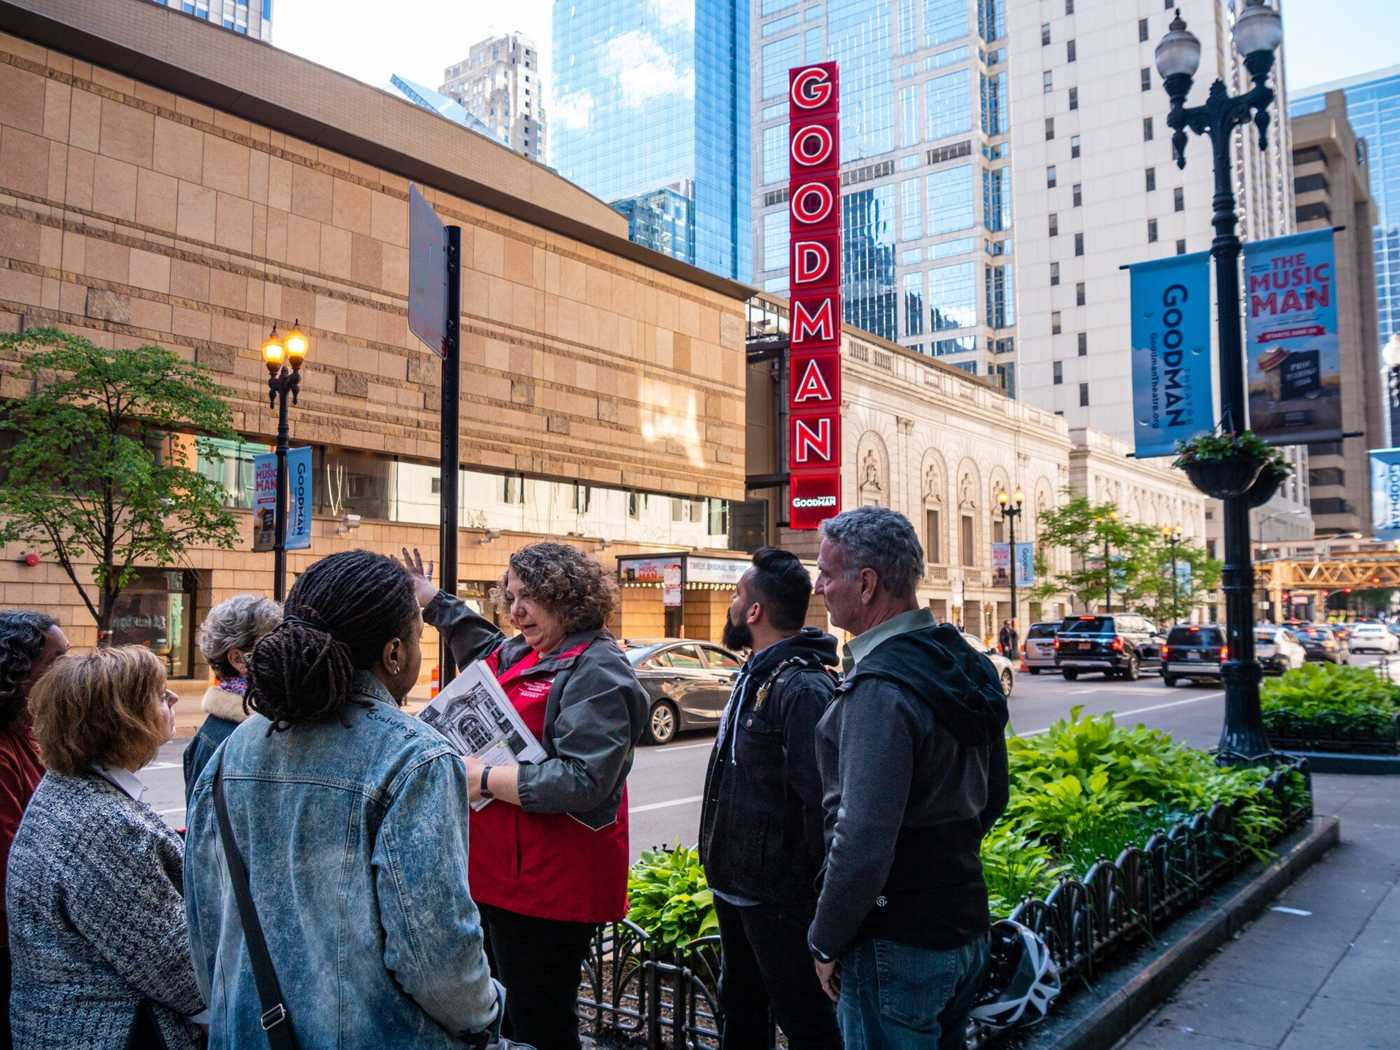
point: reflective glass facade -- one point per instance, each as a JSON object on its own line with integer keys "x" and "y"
{"x": 249, "y": 17}
{"x": 651, "y": 114}
{"x": 926, "y": 192}
{"x": 1373, "y": 109}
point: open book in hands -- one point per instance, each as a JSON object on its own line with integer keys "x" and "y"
{"x": 477, "y": 718}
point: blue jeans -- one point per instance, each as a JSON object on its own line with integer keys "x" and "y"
{"x": 896, "y": 997}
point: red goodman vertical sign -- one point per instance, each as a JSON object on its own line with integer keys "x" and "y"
{"x": 814, "y": 358}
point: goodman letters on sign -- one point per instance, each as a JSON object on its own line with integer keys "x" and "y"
{"x": 1172, "y": 394}
{"x": 814, "y": 356}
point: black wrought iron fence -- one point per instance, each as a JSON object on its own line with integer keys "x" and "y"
{"x": 635, "y": 996}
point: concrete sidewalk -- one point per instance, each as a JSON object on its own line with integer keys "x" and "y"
{"x": 1320, "y": 969}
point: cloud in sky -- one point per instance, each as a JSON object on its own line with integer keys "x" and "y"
{"x": 644, "y": 69}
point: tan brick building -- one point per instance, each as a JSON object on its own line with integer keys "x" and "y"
{"x": 165, "y": 181}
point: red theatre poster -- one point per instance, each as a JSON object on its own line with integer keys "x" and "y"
{"x": 814, "y": 354}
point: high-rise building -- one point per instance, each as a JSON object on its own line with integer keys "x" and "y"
{"x": 651, "y": 114}
{"x": 499, "y": 84}
{"x": 436, "y": 102}
{"x": 1373, "y": 110}
{"x": 1096, "y": 188}
{"x": 925, "y": 162}
{"x": 1331, "y": 177}
{"x": 249, "y": 17}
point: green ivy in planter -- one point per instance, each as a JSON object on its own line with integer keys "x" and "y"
{"x": 1209, "y": 448}
{"x": 669, "y": 898}
{"x": 1327, "y": 702}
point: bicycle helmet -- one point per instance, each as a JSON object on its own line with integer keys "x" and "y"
{"x": 1021, "y": 979}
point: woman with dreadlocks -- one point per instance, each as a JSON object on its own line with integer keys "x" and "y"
{"x": 350, "y": 818}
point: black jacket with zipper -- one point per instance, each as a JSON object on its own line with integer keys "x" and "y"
{"x": 761, "y": 820}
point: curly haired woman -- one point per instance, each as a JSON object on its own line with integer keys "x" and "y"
{"x": 550, "y": 857}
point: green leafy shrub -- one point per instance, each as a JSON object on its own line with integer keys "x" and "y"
{"x": 1326, "y": 702}
{"x": 669, "y": 898}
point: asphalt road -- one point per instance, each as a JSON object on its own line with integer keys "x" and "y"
{"x": 665, "y": 784}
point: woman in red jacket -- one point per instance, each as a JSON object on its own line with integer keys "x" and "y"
{"x": 548, "y": 860}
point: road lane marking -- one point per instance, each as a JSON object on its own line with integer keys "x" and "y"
{"x": 167, "y": 812}
{"x": 1141, "y": 710}
{"x": 676, "y": 747}
{"x": 664, "y": 805}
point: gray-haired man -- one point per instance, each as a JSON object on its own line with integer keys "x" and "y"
{"x": 913, "y": 762}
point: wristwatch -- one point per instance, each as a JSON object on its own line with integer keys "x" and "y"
{"x": 485, "y": 790}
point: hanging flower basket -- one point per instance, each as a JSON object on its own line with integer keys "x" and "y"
{"x": 1269, "y": 481}
{"x": 1224, "y": 466}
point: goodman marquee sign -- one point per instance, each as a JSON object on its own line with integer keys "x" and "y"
{"x": 814, "y": 362}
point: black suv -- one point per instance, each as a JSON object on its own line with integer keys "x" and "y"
{"x": 1118, "y": 644}
{"x": 1193, "y": 651}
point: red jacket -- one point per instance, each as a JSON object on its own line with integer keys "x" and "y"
{"x": 21, "y": 769}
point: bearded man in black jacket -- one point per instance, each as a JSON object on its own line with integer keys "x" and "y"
{"x": 912, "y": 756}
{"x": 761, "y": 837}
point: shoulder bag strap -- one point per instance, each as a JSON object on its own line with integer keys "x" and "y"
{"x": 274, "y": 1020}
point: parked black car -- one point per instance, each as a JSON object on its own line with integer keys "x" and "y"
{"x": 687, "y": 683}
{"x": 1320, "y": 642}
{"x": 1118, "y": 644}
{"x": 1193, "y": 651}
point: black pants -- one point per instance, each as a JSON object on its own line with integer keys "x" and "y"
{"x": 538, "y": 960}
{"x": 766, "y": 962}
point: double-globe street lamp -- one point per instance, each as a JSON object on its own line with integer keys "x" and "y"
{"x": 1172, "y": 535}
{"x": 1258, "y": 31}
{"x": 284, "y": 356}
{"x": 1109, "y": 517}
{"x": 1010, "y": 511}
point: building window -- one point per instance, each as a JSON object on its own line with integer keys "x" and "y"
{"x": 1049, "y": 128}
{"x": 1142, "y": 30}
{"x": 1055, "y": 322}
{"x": 512, "y": 489}
{"x": 1151, "y": 179}
{"x": 1178, "y": 199}
{"x": 1050, "y": 177}
{"x": 969, "y": 549}
{"x": 1079, "y": 294}
{"x": 1078, "y": 244}
{"x": 1083, "y": 344}
{"x": 933, "y": 537}
{"x": 1151, "y": 231}
{"x": 1077, "y": 194}
{"x": 1083, "y": 395}
{"x": 1069, "y": 51}
{"x": 1146, "y": 129}
{"x": 1069, "y": 7}
{"x": 1074, "y": 147}
{"x": 1181, "y": 247}
{"x": 1146, "y": 77}
{"x": 1054, "y": 224}
{"x": 1073, "y": 98}
{"x": 1047, "y": 81}
{"x": 1044, "y": 33}
{"x": 1054, "y": 274}
{"x": 1058, "y": 372}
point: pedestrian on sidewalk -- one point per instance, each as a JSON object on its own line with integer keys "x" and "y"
{"x": 29, "y": 644}
{"x": 761, "y": 821}
{"x": 1008, "y": 639}
{"x": 226, "y": 637}
{"x": 351, "y": 820}
{"x": 913, "y": 763}
{"x": 551, "y": 853}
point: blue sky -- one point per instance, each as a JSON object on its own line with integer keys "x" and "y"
{"x": 1327, "y": 40}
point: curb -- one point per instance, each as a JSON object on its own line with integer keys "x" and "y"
{"x": 1341, "y": 762}
{"x": 1100, "y": 1025}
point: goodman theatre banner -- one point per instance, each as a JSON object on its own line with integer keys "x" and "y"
{"x": 1385, "y": 493}
{"x": 814, "y": 357}
{"x": 1172, "y": 398}
{"x": 1295, "y": 368}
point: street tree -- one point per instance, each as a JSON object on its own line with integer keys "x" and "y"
{"x": 103, "y": 466}
{"x": 1150, "y": 588}
{"x": 1085, "y": 530}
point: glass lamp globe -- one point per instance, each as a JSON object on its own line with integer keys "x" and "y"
{"x": 1179, "y": 51}
{"x": 1257, "y": 28}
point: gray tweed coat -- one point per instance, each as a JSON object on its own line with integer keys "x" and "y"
{"x": 97, "y": 921}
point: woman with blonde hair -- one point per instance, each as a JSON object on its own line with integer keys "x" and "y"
{"x": 95, "y": 890}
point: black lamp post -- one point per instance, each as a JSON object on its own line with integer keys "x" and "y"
{"x": 1172, "y": 534}
{"x": 1010, "y": 511}
{"x": 1108, "y": 520}
{"x": 278, "y": 354}
{"x": 1258, "y": 32}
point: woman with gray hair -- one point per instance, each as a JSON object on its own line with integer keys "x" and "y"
{"x": 549, "y": 857}
{"x": 226, "y": 637}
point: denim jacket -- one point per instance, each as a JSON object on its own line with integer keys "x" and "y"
{"x": 354, "y": 832}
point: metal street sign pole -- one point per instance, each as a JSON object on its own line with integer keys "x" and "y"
{"x": 451, "y": 413}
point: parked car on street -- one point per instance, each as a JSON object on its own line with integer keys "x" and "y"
{"x": 1278, "y": 649}
{"x": 1005, "y": 671}
{"x": 1038, "y": 650}
{"x": 1193, "y": 651}
{"x": 687, "y": 683}
{"x": 1117, "y": 644}
{"x": 1372, "y": 637}
{"x": 1321, "y": 643}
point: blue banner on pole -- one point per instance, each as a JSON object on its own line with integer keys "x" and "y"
{"x": 1173, "y": 398}
{"x": 299, "y": 498}
{"x": 1025, "y": 565}
{"x": 1385, "y": 493}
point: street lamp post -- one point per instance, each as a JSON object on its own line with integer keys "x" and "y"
{"x": 1258, "y": 31}
{"x": 1010, "y": 511}
{"x": 284, "y": 358}
{"x": 1108, "y": 519}
{"x": 1172, "y": 534}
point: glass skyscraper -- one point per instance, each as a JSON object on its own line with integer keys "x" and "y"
{"x": 651, "y": 114}
{"x": 926, "y": 204}
{"x": 249, "y": 17}
{"x": 1373, "y": 109}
